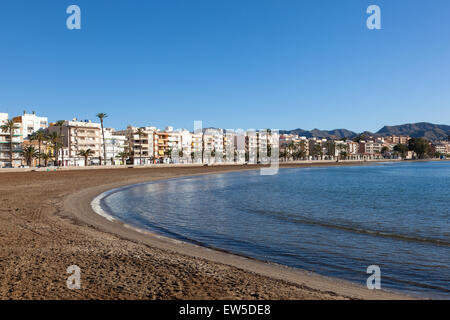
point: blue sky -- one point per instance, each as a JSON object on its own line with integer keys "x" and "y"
{"x": 233, "y": 64}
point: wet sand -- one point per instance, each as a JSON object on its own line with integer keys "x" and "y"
{"x": 47, "y": 224}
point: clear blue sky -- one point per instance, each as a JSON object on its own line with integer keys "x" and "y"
{"x": 233, "y": 64}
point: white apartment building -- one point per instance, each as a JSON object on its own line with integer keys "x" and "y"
{"x": 268, "y": 145}
{"x": 77, "y": 136}
{"x": 180, "y": 145}
{"x": 115, "y": 144}
{"x": 174, "y": 146}
{"x": 229, "y": 146}
{"x": 31, "y": 123}
{"x": 317, "y": 148}
{"x": 251, "y": 146}
{"x": 370, "y": 147}
{"x": 186, "y": 146}
{"x": 213, "y": 146}
{"x": 5, "y": 139}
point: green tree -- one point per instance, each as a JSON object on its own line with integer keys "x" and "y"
{"x": 420, "y": 146}
{"x": 123, "y": 155}
{"x": 39, "y": 136}
{"x": 317, "y": 150}
{"x": 342, "y": 149}
{"x": 102, "y": 116}
{"x": 331, "y": 148}
{"x": 385, "y": 150}
{"x": 401, "y": 149}
{"x": 60, "y": 124}
{"x": 55, "y": 141}
{"x": 86, "y": 154}
{"x": 46, "y": 157}
{"x": 29, "y": 153}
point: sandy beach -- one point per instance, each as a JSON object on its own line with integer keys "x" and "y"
{"x": 47, "y": 224}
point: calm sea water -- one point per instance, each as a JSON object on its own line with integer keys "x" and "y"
{"x": 334, "y": 221}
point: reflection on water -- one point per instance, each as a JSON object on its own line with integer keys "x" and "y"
{"x": 335, "y": 221}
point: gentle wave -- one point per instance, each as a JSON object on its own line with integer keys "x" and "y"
{"x": 305, "y": 220}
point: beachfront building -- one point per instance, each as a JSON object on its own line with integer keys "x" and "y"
{"x": 31, "y": 123}
{"x": 353, "y": 150}
{"x": 186, "y": 146}
{"x": 213, "y": 145}
{"x": 229, "y": 146}
{"x": 370, "y": 149}
{"x": 317, "y": 148}
{"x": 140, "y": 147}
{"x": 441, "y": 147}
{"x": 251, "y": 146}
{"x": 5, "y": 149}
{"x": 115, "y": 144}
{"x": 161, "y": 150}
{"x": 180, "y": 145}
{"x": 79, "y": 136}
{"x": 197, "y": 146}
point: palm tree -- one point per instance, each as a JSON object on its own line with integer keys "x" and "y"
{"x": 140, "y": 132}
{"x": 46, "y": 157}
{"x": 55, "y": 140}
{"x": 102, "y": 116}
{"x": 60, "y": 124}
{"x": 29, "y": 153}
{"x": 86, "y": 154}
{"x": 39, "y": 136}
{"x": 123, "y": 155}
{"x": 8, "y": 127}
{"x": 342, "y": 149}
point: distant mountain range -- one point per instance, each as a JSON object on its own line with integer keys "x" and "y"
{"x": 426, "y": 130}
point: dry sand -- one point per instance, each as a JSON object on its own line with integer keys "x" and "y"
{"x": 47, "y": 224}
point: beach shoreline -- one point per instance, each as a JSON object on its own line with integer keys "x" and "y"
{"x": 106, "y": 250}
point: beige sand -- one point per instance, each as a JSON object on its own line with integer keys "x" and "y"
{"x": 47, "y": 224}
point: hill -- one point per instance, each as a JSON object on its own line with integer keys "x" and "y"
{"x": 426, "y": 130}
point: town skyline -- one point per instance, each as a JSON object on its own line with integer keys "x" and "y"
{"x": 166, "y": 124}
{"x": 80, "y": 142}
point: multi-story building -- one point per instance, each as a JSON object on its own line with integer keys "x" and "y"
{"x": 229, "y": 146}
{"x": 78, "y": 136}
{"x": 317, "y": 148}
{"x": 31, "y": 123}
{"x": 5, "y": 142}
{"x": 140, "y": 147}
{"x": 213, "y": 145}
{"x": 186, "y": 146}
{"x": 353, "y": 147}
{"x": 397, "y": 139}
{"x": 251, "y": 146}
{"x": 115, "y": 144}
{"x": 161, "y": 149}
{"x": 371, "y": 149}
{"x": 441, "y": 147}
{"x": 197, "y": 146}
